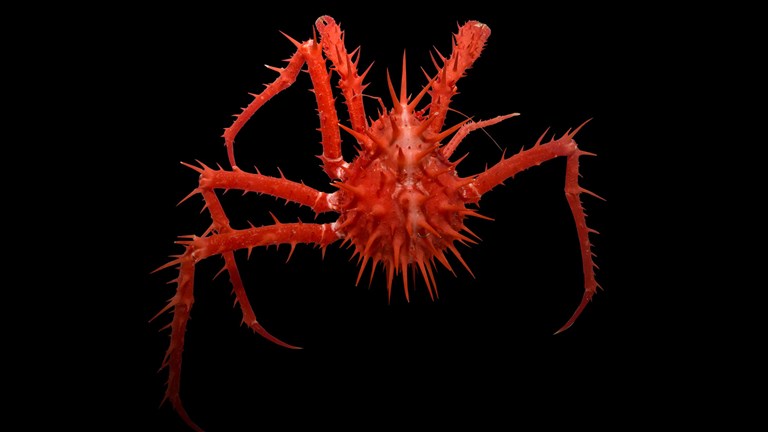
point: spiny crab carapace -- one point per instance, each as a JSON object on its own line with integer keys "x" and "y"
{"x": 401, "y": 202}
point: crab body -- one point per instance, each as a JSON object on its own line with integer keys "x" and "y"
{"x": 402, "y": 204}
{"x": 400, "y": 201}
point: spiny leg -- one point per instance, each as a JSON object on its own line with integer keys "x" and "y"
{"x": 572, "y": 193}
{"x": 287, "y": 77}
{"x": 308, "y": 52}
{"x": 467, "y": 45}
{"x": 180, "y": 305}
{"x": 211, "y": 179}
{"x": 281, "y": 187}
{"x": 564, "y": 146}
{"x": 199, "y": 248}
{"x": 350, "y": 82}
{"x": 221, "y": 239}
{"x": 333, "y": 162}
{"x": 221, "y": 226}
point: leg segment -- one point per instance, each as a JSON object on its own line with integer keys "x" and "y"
{"x": 350, "y": 83}
{"x": 333, "y": 163}
{"x": 310, "y": 53}
{"x": 506, "y": 168}
{"x": 287, "y": 77}
{"x": 281, "y": 187}
{"x": 467, "y": 45}
{"x": 572, "y": 192}
{"x": 181, "y": 304}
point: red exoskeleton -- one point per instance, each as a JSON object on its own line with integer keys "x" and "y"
{"x": 400, "y": 203}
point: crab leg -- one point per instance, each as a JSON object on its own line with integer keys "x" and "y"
{"x": 506, "y": 168}
{"x": 350, "y": 82}
{"x": 198, "y": 248}
{"x": 226, "y": 240}
{"x": 287, "y": 77}
{"x": 280, "y": 187}
{"x": 311, "y": 53}
{"x": 181, "y": 305}
{"x": 467, "y": 45}
{"x": 222, "y": 239}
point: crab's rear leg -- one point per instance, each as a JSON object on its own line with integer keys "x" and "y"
{"x": 564, "y": 146}
{"x": 572, "y": 194}
{"x": 212, "y": 179}
{"x": 181, "y": 305}
{"x": 199, "y": 248}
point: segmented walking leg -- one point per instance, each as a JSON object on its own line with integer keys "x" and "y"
{"x": 333, "y": 163}
{"x": 311, "y": 53}
{"x": 287, "y": 77}
{"x": 564, "y": 146}
{"x": 198, "y": 248}
{"x": 350, "y": 83}
{"x": 467, "y": 45}
{"x": 221, "y": 239}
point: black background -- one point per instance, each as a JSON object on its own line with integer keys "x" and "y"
{"x": 487, "y": 342}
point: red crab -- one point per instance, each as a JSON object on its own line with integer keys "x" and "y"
{"x": 401, "y": 202}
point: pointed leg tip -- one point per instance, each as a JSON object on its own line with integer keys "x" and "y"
{"x": 584, "y": 301}
{"x": 179, "y": 408}
{"x": 256, "y": 327}
{"x": 562, "y": 329}
{"x": 284, "y": 344}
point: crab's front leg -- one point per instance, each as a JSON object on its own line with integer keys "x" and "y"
{"x": 467, "y": 45}
{"x": 311, "y": 53}
{"x": 566, "y": 147}
{"x": 287, "y": 77}
{"x": 350, "y": 82}
{"x": 333, "y": 162}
